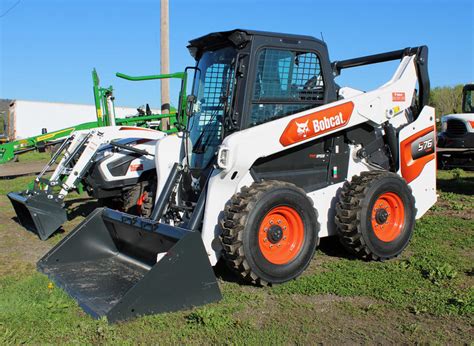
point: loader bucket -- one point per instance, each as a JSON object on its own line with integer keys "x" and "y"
{"x": 37, "y": 213}
{"x": 120, "y": 266}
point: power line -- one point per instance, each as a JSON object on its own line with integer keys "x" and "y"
{"x": 11, "y": 8}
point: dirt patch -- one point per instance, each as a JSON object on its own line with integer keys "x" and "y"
{"x": 330, "y": 319}
{"x": 15, "y": 169}
{"x": 21, "y": 249}
{"x": 454, "y": 209}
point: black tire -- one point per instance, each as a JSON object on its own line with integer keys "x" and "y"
{"x": 148, "y": 201}
{"x": 131, "y": 197}
{"x": 359, "y": 227}
{"x": 241, "y": 224}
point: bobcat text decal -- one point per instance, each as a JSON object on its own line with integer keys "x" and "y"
{"x": 317, "y": 123}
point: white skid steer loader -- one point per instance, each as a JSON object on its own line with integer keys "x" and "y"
{"x": 90, "y": 157}
{"x": 275, "y": 156}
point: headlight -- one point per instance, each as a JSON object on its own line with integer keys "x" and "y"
{"x": 223, "y": 158}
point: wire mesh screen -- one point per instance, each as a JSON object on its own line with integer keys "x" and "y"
{"x": 286, "y": 82}
{"x": 216, "y": 84}
{"x": 288, "y": 76}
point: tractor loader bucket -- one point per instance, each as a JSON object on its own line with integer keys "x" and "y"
{"x": 38, "y": 213}
{"x": 120, "y": 266}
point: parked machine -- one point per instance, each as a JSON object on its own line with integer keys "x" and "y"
{"x": 42, "y": 209}
{"x": 456, "y": 139}
{"x": 114, "y": 164}
{"x": 275, "y": 156}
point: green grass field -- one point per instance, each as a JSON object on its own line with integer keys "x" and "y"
{"x": 424, "y": 296}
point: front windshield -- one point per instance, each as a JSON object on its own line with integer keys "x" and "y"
{"x": 212, "y": 87}
{"x": 468, "y": 100}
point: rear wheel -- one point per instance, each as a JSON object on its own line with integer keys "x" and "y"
{"x": 270, "y": 232}
{"x": 375, "y": 215}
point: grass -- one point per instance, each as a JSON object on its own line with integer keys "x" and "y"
{"x": 426, "y": 295}
{"x": 34, "y": 156}
{"x": 17, "y": 184}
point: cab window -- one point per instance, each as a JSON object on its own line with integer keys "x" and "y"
{"x": 286, "y": 82}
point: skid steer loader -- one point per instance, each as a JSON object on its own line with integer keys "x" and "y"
{"x": 275, "y": 156}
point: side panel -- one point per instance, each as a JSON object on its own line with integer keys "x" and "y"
{"x": 418, "y": 159}
{"x": 167, "y": 152}
{"x": 311, "y": 166}
{"x": 324, "y": 200}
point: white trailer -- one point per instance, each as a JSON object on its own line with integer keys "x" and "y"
{"x": 29, "y": 118}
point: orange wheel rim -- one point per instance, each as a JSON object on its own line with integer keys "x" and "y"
{"x": 141, "y": 200}
{"x": 281, "y": 235}
{"x": 388, "y": 216}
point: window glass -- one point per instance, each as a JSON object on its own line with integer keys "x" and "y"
{"x": 213, "y": 84}
{"x": 286, "y": 82}
{"x": 468, "y": 106}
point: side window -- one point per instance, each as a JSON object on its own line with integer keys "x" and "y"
{"x": 286, "y": 82}
{"x": 468, "y": 106}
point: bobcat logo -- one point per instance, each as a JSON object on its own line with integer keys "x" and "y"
{"x": 303, "y": 128}
{"x": 195, "y": 184}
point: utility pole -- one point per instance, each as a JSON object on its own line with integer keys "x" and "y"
{"x": 165, "y": 66}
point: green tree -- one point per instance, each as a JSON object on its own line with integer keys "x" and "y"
{"x": 446, "y": 100}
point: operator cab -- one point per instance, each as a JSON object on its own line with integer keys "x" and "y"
{"x": 245, "y": 78}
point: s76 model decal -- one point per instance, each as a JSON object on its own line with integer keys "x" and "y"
{"x": 415, "y": 152}
{"x": 317, "y": 123}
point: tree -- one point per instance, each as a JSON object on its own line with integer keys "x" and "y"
{"x": 446, "y": 100}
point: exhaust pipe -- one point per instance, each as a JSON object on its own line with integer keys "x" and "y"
{"x": 122, "y": 266}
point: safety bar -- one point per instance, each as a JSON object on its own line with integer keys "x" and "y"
{"x": 181, "y": 113}
{"x": 132, "y": 149}
{"x": 337, "y": 66}
{"x": 421, "y": 66}
{"x": 178, "y": 75}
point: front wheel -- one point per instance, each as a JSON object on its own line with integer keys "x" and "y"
{"x": 270, "y": 232}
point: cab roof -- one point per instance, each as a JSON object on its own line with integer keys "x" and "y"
{"x": 239, "y": 37}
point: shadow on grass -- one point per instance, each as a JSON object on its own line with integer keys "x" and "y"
{"x": 35, "y": 232}
{"x": 330, "y": 246}
{"x": 224, "y": 273}
{"x": 80, "y": 207}
{"x": 463, "y": 186}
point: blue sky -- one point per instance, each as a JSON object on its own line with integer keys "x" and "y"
{"x": 49, "y": 47}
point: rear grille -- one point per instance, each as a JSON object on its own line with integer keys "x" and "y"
{"x": 456, "y": 128}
